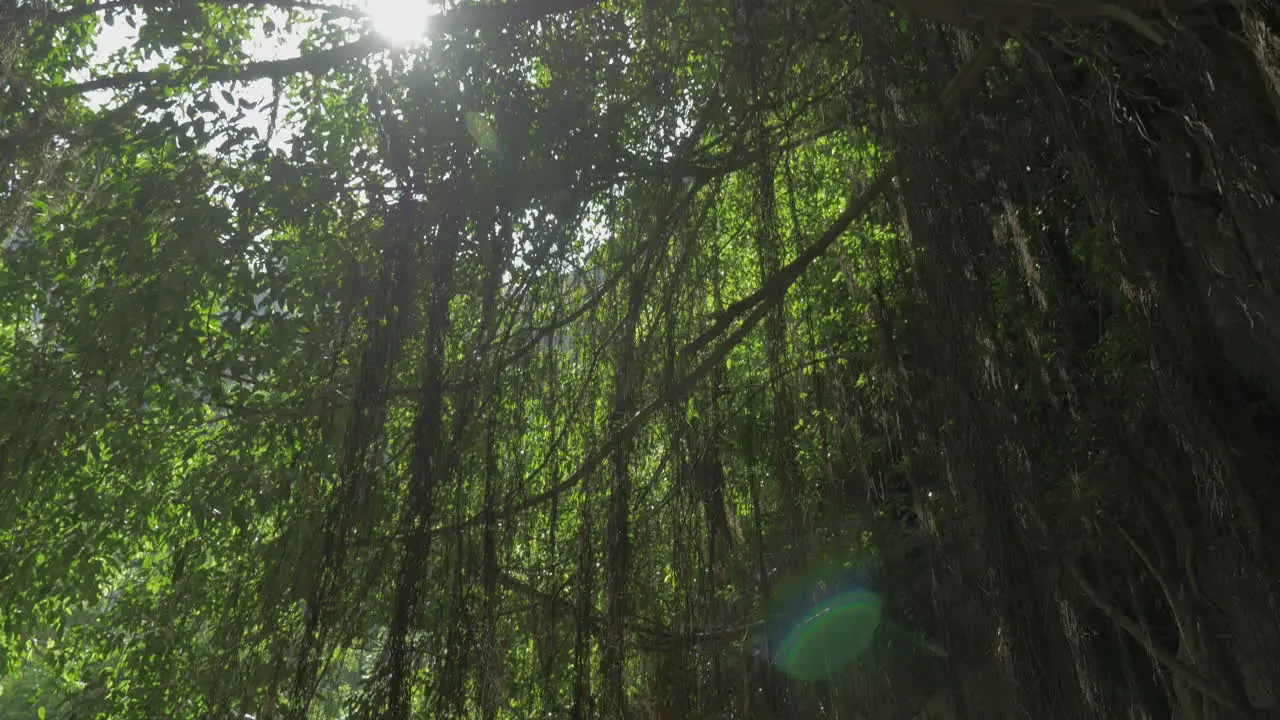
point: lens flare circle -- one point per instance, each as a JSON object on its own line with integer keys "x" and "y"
{"x": 831, "y": 635}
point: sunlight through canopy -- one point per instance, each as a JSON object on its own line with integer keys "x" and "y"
{"x": 400, "y": 22}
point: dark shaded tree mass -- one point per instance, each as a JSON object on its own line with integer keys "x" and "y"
{"x": 640, "y": 359}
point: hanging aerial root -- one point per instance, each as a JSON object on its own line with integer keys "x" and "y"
{"x": 747, "y": 312}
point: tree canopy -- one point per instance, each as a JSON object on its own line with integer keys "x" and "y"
{"x": 658, "y": 359}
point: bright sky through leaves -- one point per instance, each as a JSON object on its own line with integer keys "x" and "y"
{"x": 400, "y": 22}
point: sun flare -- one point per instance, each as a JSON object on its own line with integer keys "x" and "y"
{"x": 401, "y": 22}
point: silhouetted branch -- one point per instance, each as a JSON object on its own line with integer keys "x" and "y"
{"x": 63, "y": 16}
{"x": 470, "y": 18}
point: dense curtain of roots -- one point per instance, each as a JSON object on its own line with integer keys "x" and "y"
{"x": 1088, "y": 367}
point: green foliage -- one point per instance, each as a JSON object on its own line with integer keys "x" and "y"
{"x": 218, "y": 350}
{"x": 468, "y": 379}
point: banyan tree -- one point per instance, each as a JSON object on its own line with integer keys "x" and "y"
{"x": 660, "y": 359}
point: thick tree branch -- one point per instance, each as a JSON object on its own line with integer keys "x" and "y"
{"x": 61, "y": 17}
{"x": 465, "y": 19}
